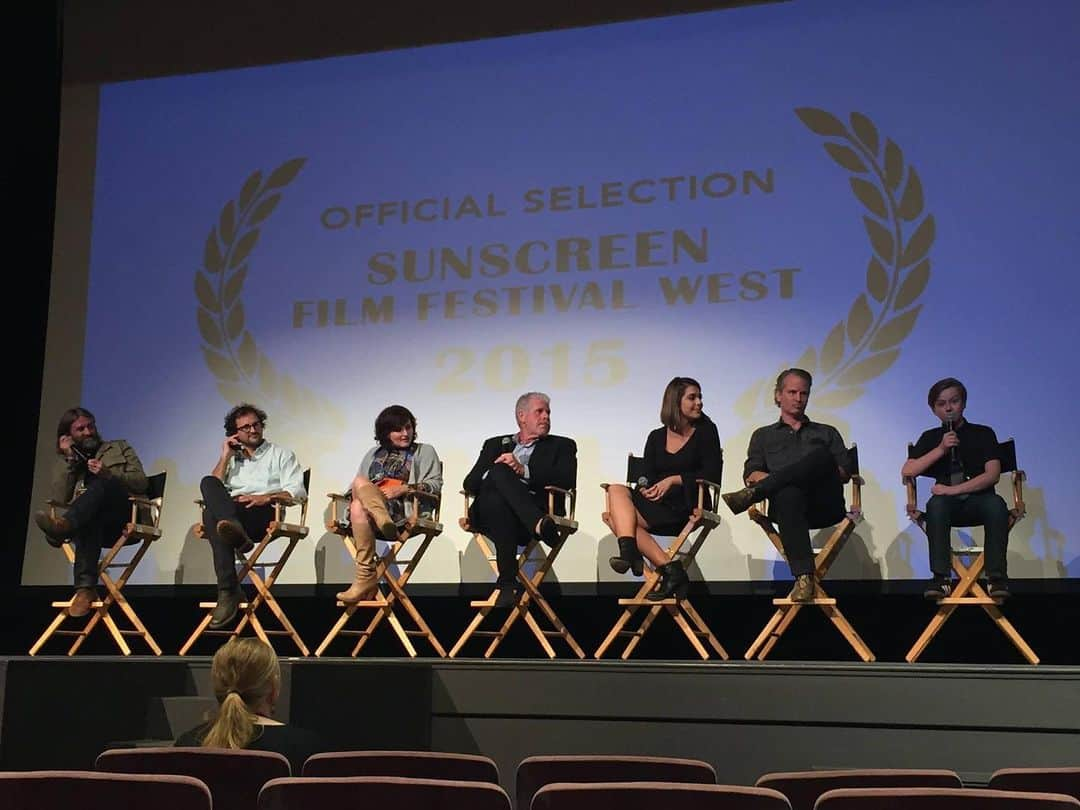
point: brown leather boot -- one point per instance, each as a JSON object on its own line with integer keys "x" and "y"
{"x": 365, "y": 581}
{"x": 81, "y": 602}
{"x": 375, "y": 504}
{"x": 805, "y": 587}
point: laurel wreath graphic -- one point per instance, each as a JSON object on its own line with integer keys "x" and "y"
{"x": 242, "y": 371}
{"x": 867, "y": 342}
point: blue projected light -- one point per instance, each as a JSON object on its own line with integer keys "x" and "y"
{"x": 880, "y": 193}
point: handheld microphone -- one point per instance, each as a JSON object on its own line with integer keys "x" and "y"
{"x": 949, "y": 429}
{"x": 642, "y": 482}
{"x": 238, "y": 451}
{"x": 508, "y": 443}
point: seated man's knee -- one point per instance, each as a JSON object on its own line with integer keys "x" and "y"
{"x": 209, "y": 483}
{"x": 360, "y": 481}
{"x": 938, "y": 508}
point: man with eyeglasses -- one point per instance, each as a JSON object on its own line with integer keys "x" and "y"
{"x": 239, "y": 496}
{"x": 95, "y": 477}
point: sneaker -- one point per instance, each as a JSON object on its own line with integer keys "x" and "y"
{"x": 804, "y": 588}
{"x": 939, "y": 588}
{"x": 998, "y": 588}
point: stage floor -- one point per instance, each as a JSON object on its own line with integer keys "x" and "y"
{"x": 744, "y": 718}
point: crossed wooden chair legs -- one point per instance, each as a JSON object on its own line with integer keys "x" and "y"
{"x": 263, "y": 592}
{"x": 682, "y": 611}
{"x": 530, "y": 593}
{"x": 144, "y": 529}
{"x": 383, "y": 604}
{"x": 787, "y": 609}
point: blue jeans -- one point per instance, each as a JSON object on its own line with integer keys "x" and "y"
{"x": 986, "y": 509}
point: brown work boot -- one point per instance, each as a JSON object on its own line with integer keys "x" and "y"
{"x": 57, "y": 529}
{"x": 234, "y": 534}
{"x": 804, "y": 588}
{"x": 738, "y": 502}
{"x": 81, "y": 602}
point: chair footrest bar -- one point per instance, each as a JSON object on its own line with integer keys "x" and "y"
{"x": 969, "y": 600}
{"x": 808, "y": 602}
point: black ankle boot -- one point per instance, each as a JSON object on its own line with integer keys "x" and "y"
{"x": 629, "y": 558}
{"x": 673, "y": 582}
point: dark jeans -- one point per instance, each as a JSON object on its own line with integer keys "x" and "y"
{"x": 802, "y": 496}
{"x": 986, "y": 509}
{"x": 507, "y": 513}
{"x": 221, "y": 506}
{"x": 97, "y": 518}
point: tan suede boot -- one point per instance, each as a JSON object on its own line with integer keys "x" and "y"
{"x": 375, "y": 503}
{"x": 365, "y": 582}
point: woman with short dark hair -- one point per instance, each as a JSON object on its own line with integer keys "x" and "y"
{"x": 393, "y": 469}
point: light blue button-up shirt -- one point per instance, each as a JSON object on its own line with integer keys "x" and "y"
{"x": 271, "y": 468}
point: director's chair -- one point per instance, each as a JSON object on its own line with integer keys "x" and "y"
{"x": 142, "y": 531}
{"x": 530, "y": 583}
{"x": 702, "y": 518}
{"x": 786, "y": 608}
{"x": 968, "y": 562}
{"x": 278, "y": 527}
{"x": 427, "y": 528}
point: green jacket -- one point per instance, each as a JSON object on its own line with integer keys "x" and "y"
{"x": 117, "y": 456}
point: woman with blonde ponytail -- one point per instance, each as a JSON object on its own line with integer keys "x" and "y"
{"x": 246, "y": 679}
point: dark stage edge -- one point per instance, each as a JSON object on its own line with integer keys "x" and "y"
{"x": 745, "y": 719}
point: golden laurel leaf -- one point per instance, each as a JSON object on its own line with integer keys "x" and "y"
{"x": 808, "y": 360}
{"x": 865, "y": 131}
{"x": 880, "y": 239}
{"x": 894, "y": 331}
{"x": 249, "y": 190}
{"x": 234, "y": 285}
{"x": 846, "y": 157}
{"x": 868, "y": 369}
{"x": 913, "y": 285}
{"x": 243, "y": 247}
{"x": 205, "y": 293}
{"x": 821, "y": 122}
{"x": 860, "y": 318}
{"x": 234, "y": 323}
{"x": 212, "y": 259}
{"x": 866, "y": 344}
{"x": 229, "y": 349}
{"x": 869, "y": 196}
{"x": 894, "y": 165}
{"x": 877, "y": 280}
{"x": 919, "y": 243}
{"x": 833, "y": 350}
{"x": 911, "y": 201}
{"x": 227, "y": 222}
{"x": 744, "y": 405}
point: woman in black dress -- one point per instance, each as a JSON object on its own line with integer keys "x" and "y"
{"x": 686, "y": 448}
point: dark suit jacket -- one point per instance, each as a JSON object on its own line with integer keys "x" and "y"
{"x": 553, "y": 463}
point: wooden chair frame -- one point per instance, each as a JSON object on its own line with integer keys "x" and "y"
{"x": 383, "y": 603}
{"x": 786, "y": 608}
{"x": 679, "y": 609}
{"x": 531, "y": 584}
{"x": 134, "y": 532}
{"x": 278, "y": 527}
{"x": 968, "y": 562}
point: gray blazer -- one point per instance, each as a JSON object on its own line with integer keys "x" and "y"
{"x": 426, "y": 469}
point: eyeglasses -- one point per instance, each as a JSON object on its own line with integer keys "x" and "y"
{"x": 249, "y": 428}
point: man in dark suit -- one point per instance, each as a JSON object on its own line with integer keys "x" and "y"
{"x": 508, "y": 480}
